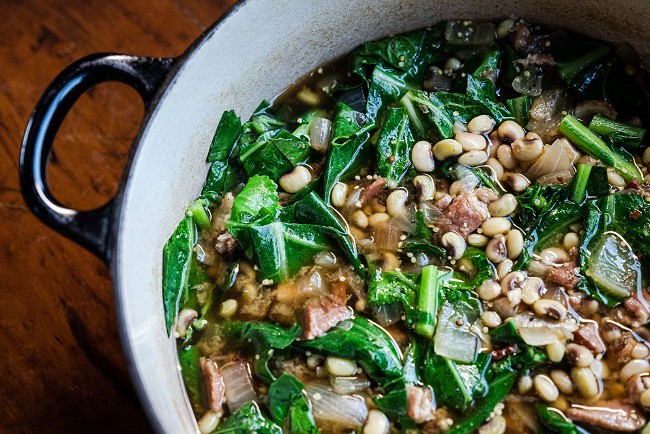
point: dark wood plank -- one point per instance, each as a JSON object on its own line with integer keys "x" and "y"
{"x": 63, "y": 370}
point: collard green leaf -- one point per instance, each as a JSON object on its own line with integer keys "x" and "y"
{"x": 287, "y": 402}
{"x": 188, "y": 359}
{"x": 348, "y": 124}
{"x": 399, "y": 52}
{"x": 257, "y": 203}
{"x": 386, "y": 87}
{"x": 627, "y": 215}
{"x": 344, "y": 162}
{"x": 483, "y": 270}
{"x": 266, "y": 338}
{"x": 394, "y": 403}
{"x": 224, "y": 176}
{"x": 482, "y": 91}
{"x": 225, "y": 137}
{"x": 556, "y": 422}
{"x": 498, "y": 389}
{"x": 246, "y": 420}
{"x": 361, "y": 340}
{"x": 393, "y": 152}
{"x": 312, "y": 210}
{"x": 392, "y": 286}
{"x": 177, "y": 255}
{"x": 281, "y": 249}
{"x": 274, "y": 153}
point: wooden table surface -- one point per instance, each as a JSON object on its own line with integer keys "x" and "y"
{"x": 63, "y": 370}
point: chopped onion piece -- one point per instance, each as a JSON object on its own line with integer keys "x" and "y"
{"x": 528, "y": 83}
{"x": 538, "y": 336}
{"x": 238, "y": 384}
{"x": 453, "y": 338}
{"x": 319, "y": 137}
{"x": 554, "y": 160}
{"x": 387, "y": 236}
{"x": 331, "y": 409}
{"x": 463, "y": 32}
{"x": 387, "y": 314}
{"x": 546, "y": 114}
{"x": 432, "y": 216}
{"x": 614, "y": 267}
{"x": 468, "y": 180}
{"x": 348, "y": 385}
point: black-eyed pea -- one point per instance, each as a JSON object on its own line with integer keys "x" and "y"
{"x": 496, "y": 425}
{"x": 563, "y": 381}
{"x": 480, "y": 124}
{"x": 377, "y": 206}
{"x": 579, "y": 355}
{"x": 646, "y": 156}
{"x": 509, "y": 131}
{"x": 640, "y": 351}
{"x": 571, "y": 240}
{"x": 517, "y": 182}
{"x": 504, "y": 267}
{"x": 376, "y": 423}
{"x": 555, "y": 351}
{"x": 514, "y": 243}
{"x": 503, "y": 206}
{"x": 496, "y": 250}
{"x": 338, "y": 194}
{"x": 528, "y": 148}
{"x": 396, "y": 202}
{"x": 552, "y": 309}
{"x": 339, "y": 367}
{"x": 422, "y": 157}
{"x": 586, "y": 382}
{"x": 497, "y": 168}
{"x": 615, "y": 179}
{"x": 491, "y": 319}
{"x": 525, "y": 384}
{"x": 454, "y": 243}
{"x": 208, "y": 422}
{"x": 505, "y": 157}
{"x": 545, "y": 388}
{"x": 531, "y": 291}
{"x": 378, "y": 219}
{"x": 471, "y": 142}
{"x": 513, "y": 280}
{"x": 447, "y": 148}
{"x": 505, "y": 27}
{"x": 554, "y": 255}
{"x": 228, "y": 308}
{"x": 488, "y": 290}
{"x": 186, "y": 318}
{"x": 496, "y": 226}
{"x": 425, "y": 187}
{"x": 635, "y": 366}
{"x": 295, "y": 180}
{"x": 477, "y": 240}
{"x": 473, "y": 158}
{"x": 359, "y": 219}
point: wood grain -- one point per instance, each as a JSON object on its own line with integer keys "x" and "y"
{"x": 63, "y": 370}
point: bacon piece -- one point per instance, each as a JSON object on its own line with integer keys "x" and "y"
{"x": 317, "y": 319}
{"x": 609, "y": 415}
{"x": 372, "y": 190}
{"x": 588, "y": 336}
{"x": 564, "y": 275}
{"x": 466, "y": 214}
{"x": 420, "y": 404}
{"x": 213, "y": 386}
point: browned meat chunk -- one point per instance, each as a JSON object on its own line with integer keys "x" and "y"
{"x": 503, "y": 352}
{"x": 520, "y": 37}
{"x": 226, "y": 243}
{"x": 318, "y": 319}
{"x": 637, "y": 309}
{"x": 565, "y": 275}
{"x": 466, "y": 214}
{"x": 611, "y": 415}
{"x": 443, "y": 202}
{"x": 537, "y": 60}
{"x": 623, "y": 347}
{"x": 588, "y": 336}
{"x": 213, "y": 386}
{"x": 636, "y": 385}
{"x": 420, "y": 404}
{"x": 372, "y": 190}
{"x": 486, "y": 195}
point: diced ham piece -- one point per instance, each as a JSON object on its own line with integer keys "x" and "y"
{"x": 539, "y": 59}
{"x": 638, "y": 308}
{"x": 212, "y": 384}
{"x": 372, "y": 190}
{"x": 317, "y": 319}
{"x": 588, "y": 336}
{"x": 421, "y": 407}
{"x": 443, "y": 202}
{"x": 226, "y": 243}
{"x": 623, "y": 347}
{"x": 609, "y": 415}
{"x": 466, "y": 214}
{"x": 486, "y": 195}
{"x": 565, "y": 275}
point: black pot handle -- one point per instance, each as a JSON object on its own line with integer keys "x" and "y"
{"x": 91, "y": 229}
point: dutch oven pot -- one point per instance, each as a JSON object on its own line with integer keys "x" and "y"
{"x": 253, "y": 53}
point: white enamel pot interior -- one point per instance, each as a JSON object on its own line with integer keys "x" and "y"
{"x": 253, "y": 54}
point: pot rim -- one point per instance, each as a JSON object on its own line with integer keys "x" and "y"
{"x": 117, "y": 216}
